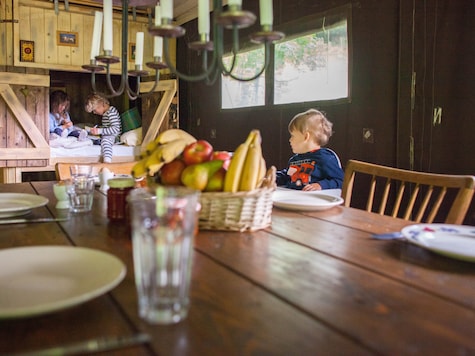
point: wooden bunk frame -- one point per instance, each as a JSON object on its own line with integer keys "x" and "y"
{"x": 37, "y": 146}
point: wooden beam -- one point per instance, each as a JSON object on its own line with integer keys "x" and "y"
{"x": 24, "y": 119}
{"x": 170, "y": 89}
{"x": 25, "y": 79}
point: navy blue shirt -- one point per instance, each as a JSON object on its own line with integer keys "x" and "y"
{"x": 321, "y": 166}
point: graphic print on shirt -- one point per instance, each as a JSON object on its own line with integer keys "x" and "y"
{"x": 300, "y": 172}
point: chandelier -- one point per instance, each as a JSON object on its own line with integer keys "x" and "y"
{"x": 234, "y": 19}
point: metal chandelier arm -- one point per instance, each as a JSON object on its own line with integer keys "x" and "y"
{"x": 257, "y": 75}
{"x": 188, "y": 78}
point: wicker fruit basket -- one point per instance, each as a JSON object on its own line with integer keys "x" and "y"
{"x": 240, "y": 211}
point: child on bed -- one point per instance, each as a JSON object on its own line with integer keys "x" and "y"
{"x": 312, "y": 167}
{"x": 60, "y": 124}
{"x": 111, "y": 127}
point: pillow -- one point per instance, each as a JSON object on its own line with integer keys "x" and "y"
{"x": 132, "y": 137}
{"x": 130, "y": 120}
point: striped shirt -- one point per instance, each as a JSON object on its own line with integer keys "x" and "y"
{"x": 111, "y": 122}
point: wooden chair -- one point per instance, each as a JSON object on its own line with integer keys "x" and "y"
{"x": 62, "y": 169}
{"x": 414, "y": 196}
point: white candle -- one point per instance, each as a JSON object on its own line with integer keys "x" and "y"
{"x": 157, "y": 40}
{"x": 203, "y": 17}
{"x": 107, "y": 25}
{"x": 158, "y": 16}
{"x": 167, "y": 9}
{"x": 267, "y": 15}
{"x": 96, "y": 35}
{"x": 139, "y": 48}
{"x": 157, "y": 46}
{"x": 235, "y": 2}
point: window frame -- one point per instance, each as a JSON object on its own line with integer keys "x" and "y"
{"x": 297, "y": 28}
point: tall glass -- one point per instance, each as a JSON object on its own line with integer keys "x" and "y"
{"x": 163, "y": 223}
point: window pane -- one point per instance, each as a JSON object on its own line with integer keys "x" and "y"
{"x": 238, "y": 94}
{"x": 312, "y": 67}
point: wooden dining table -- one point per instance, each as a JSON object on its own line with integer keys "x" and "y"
{"x": 313, "y": 283}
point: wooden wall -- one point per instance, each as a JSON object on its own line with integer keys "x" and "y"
{"x": 38, "y": 22}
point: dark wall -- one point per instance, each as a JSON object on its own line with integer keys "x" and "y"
{"x": 374, "y": 92}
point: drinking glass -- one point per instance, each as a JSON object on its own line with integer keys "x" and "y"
{"x": 81, "y": 193}
{"x": 163, "y": 223}
{"x": 77, "y": 170}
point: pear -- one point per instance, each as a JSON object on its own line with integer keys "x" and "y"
{"x": 216, "y": 181}
{"x": 196, "y": 176}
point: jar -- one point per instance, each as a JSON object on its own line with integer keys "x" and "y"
{"x": 119, "y": 188}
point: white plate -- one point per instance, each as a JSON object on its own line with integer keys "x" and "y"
{"x": 42, "y": 279}
{"x": 14, "y": 204}
{"x": 456, "y": 241}
{"x": 304, "y": 201}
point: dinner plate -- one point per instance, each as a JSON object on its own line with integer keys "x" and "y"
{"x": 304, "y": 201}
{"x": 14, "y": 204}
{"x": 42, "y": 279}
{"x": 456, "y": 241}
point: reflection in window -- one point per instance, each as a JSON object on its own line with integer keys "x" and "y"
{"x": 313, "y": 66}
{"x": 237, "y": 94}
{"x": 312, "y": 63}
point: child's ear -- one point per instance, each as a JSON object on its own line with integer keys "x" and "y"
{"x": 307, "y": 136}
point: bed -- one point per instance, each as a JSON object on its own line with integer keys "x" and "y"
{"x": 39, "y": 155}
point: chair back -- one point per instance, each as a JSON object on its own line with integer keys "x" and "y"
{"x": 63, "y": 172}
{"x": 410, "y": 195}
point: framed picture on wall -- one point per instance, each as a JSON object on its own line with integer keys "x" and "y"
{"x": 65, "y": 38}
{"x": 27, "y": 51}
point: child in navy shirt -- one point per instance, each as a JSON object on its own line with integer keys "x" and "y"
{"x": 313, "y": 167}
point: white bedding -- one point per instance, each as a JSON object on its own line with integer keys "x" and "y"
{"x": 71, "y": 147}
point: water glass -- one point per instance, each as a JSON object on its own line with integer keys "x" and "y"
{"x": 163, "y": 224}
{"x": 77, "y": 170}
{"x": 81, "y": 193}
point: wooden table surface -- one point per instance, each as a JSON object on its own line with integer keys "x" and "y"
{"x": 312, "y": 283}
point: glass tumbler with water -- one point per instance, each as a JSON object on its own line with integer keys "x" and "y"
{"x": 163, "y": 223}
{"x": 81, "y": 193}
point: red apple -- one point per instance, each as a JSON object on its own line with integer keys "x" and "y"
{"x": 224, "y": 156}
{"x": 197, "y": 152}
{"x": 170, "y": 173}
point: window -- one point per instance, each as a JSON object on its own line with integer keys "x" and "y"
{"x": 312, "y": 63}
{"x": 312, "y": 67}
{"x": 237, "y": 94}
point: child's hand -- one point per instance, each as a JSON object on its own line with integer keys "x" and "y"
{"x": 67, "y": 124}
{"x": 94, "y": 131}
{"x": 312, "y": 186}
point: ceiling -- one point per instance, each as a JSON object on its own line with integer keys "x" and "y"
{"x": 184, "y": 10}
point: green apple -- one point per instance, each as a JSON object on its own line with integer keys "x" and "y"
{"x": 196, "y": 176}
{"x": 216, "y": 181}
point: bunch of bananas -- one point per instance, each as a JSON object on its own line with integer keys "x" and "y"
{"x": 167, "y": 146}
{"x": 247, "y": 167}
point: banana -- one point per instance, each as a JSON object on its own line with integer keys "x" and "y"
{"x": 153, "y": 163}
{"x": 150, "y": 147}
{"x": 164, "y": 153}
{"x": 172, "y": 135}
{"x": 139, "y": 169}
{"x": 233, "y": 175}
{"x": 250, "y": 171}
{"x": 172, "y": 149}
{"x": 262, "y": 172}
